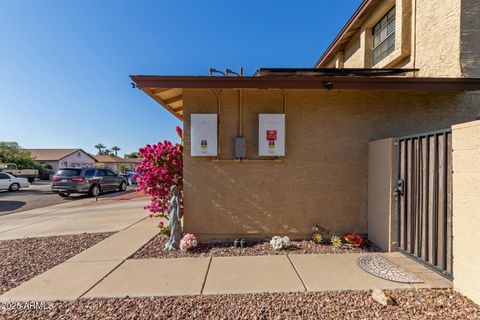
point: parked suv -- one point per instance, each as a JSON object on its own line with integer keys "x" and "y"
{"x": 92, "y": 181}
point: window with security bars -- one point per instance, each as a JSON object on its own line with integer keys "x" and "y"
{"x": 383, "y": 37}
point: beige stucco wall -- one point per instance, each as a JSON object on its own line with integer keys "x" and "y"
{"x": 466, "y": 209}
{"x": 381, "y": 181}
{"x": 323, "y": 179}
{"x": 470, "y": 38}
{"x": 441, "y": 38}
{"x": 354, "y": 55}
{"x": 437, "y": 48}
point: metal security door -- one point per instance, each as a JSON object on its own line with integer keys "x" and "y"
{"x": 424, "y": 201}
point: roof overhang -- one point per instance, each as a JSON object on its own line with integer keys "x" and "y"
{"x": 347, "y": 32}
{"x": 168, "y": 90}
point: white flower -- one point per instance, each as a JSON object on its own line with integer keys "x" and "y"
{"x": 279, "y": 243}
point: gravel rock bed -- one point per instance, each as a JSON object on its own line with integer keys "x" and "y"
{"x": 23, "y": 259}
{"x": 154, "y": 249}
{"x": 410, "y": 304}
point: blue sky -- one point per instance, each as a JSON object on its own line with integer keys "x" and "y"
{"x": 64, "y": 65}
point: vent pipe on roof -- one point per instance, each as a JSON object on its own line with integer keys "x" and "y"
{"x": 226, "y": 73}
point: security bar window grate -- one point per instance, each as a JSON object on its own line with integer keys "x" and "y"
{"x": 384, "y": 37}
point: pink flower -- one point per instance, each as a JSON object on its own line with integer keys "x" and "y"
{"x": 179, "y": 132}
{"x": 188, "y": 241}
{"x": 161, "y": 167}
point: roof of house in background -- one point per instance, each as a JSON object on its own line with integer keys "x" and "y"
{"x": 54, "y": 154}
{"x": 111, "y": 159}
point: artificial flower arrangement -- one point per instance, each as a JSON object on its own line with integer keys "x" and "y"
{"x": 336, "y": 241}
{"x": 316, "y": 236}
{"x": 354, "y": 239}
{"x": 188, "y": 241}
{"x": 279, "y": 243}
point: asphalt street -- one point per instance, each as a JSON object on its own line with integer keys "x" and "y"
{"x": 38, "y": 195}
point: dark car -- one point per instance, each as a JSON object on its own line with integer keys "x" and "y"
{"x": 92, "y": 181}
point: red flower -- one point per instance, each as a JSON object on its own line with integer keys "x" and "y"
{"x": 179, "y": 132}
{"x": 354, "y": 239}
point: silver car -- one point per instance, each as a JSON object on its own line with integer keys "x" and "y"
{"x": 92, "y": 181}
{"x": 9, "y": 182}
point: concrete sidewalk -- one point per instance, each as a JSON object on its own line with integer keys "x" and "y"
{"x": 104, "y": 271}
{"x": 73, "y": 278}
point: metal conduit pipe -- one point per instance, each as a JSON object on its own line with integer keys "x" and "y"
{"x": 240, "y": 112}
{"x": 218, "y": 115}
{"x": 284, "y": 95}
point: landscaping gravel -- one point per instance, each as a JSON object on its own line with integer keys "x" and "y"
{"x": 155, "y": 249}
{"x": 409, "y": 304}
{"x": 23, "y": 259}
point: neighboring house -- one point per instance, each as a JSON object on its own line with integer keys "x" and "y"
{"x": 285, "y": 149}
{"x": 115, "y": 163}
{"x": 61, "y": 158}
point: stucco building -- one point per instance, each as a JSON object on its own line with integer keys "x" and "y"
{"x": 365, "y": 135}
{"x": 117, "y": 164}
{"x": 61, "y": 158}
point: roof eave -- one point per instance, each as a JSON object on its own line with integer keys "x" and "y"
{"x": 364, "y": 6}
{"x": 310, "y": 82}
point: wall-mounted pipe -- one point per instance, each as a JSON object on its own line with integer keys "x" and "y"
{"x": 219, "y": 102}
{"x": 240, "y": 112}
{"x": 240, "y": 124}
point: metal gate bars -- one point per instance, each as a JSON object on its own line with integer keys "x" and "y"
{"x": 424, "y": 193}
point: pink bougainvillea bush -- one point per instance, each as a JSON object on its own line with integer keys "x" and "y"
{"x": 161, "y": 168}
{"x": 188, "y": 241}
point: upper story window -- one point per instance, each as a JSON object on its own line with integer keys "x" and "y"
{"x": 383, "y": 37}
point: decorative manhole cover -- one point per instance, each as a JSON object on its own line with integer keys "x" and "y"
{"x": 380, "y": 267}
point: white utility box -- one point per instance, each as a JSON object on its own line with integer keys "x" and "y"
{"x": 203, "y": 134}
{"x": 271, "y": 135}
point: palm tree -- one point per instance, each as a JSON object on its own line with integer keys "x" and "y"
{"x": 100, "y": 147}
{"x": 116, "y": 149}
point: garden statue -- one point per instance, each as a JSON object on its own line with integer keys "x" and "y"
{"x": 174, "y": 214}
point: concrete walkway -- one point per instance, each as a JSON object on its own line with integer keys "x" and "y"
{"x": 104, "y": 271}
{"x": 80, "y": 216}
{"x": 73, "y": 278}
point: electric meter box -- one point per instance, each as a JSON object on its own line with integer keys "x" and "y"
{"x": 203, "y": 134}
{"x": 271, "y": 135}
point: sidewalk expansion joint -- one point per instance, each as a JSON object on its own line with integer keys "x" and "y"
{"x": 101, "y": 279}
{"x": 133, "y": 224}
{"x": 298, "y": 274}
{"x": 206, "y": 275}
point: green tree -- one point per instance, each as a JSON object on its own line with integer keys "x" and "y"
{"x": 122, "y": 168}
{"x": 100, "y": 147}
{"x": 108, "y": 152}
{"x": 132, "y": 155}
{"x": 11, "y": 152}
{"x": 116, "y": 149}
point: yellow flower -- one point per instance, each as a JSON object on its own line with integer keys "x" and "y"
{"x": 317, "y": 238}
{"x": 336, "y": 241}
